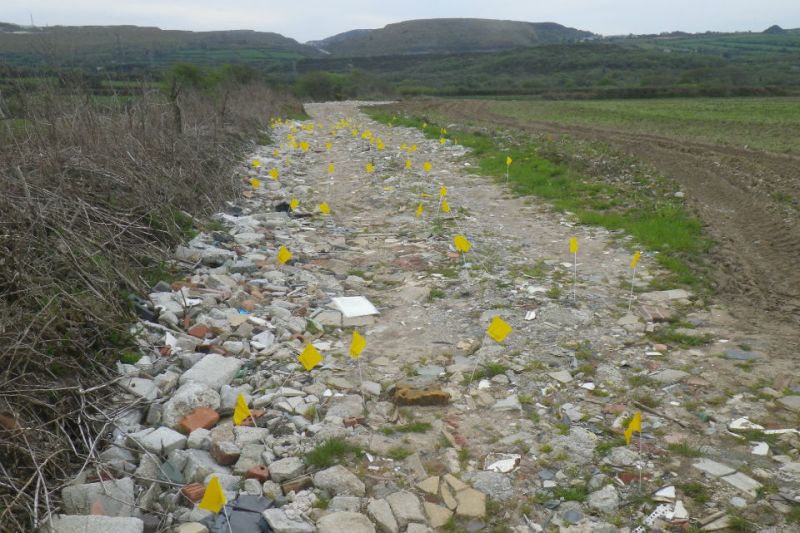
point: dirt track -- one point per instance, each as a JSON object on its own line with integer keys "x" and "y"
{"x": 731, "y": 189}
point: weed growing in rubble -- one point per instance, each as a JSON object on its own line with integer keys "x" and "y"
{"x": 331, "y": 452}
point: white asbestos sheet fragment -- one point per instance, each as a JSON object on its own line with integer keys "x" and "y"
{"x": 354, "y": 306}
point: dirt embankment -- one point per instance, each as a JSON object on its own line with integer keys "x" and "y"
{"x": 741, "y": 196}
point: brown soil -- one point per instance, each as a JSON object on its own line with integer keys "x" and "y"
{"x": 731, "y": 189}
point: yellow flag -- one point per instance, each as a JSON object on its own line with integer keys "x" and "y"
{"x": 304, "y": 146}
{"x": 635, "y": 259}
{"x": 213, "y": 498}
{"x": 408, "y": 163}
{"x": 255, "y": 183}
{"x": 573, "y": 245}
{"x": 413, "y": 147}
{"x": 324, "y": 208}
{"x": 293, "y": 204}
{"x": 328, "y": 146}
{"x": 509, "y": 161}
{"x": 241, "y": 411}
{"x": 445, "y": 206}
{"x": 354, "y": 132}
{"x": 442, "y": 140}
{"x": 419, "y": 210}
{"x": 357, "y": 345}
{"x": 284, "y": 255}
{"x": 274, "y": 173}
{"x": 498, "y": 329}
{"x": 426, "y": 166}
{"x": 370, "y": 168}
{"x": 380, "y": 145}
{"x": 276, "y": 153}
{"x": 461, "y": 243}
{"x": 331, "y": 168}
{"x": 634, "y": 425}
{"x": 256, "y": 163}
{"x": 366, "y": 135}
{"x": 424, "y": 125}
{"x": 310, "y": 357}
{"x": 442, "y": 191}
{"x": 443, "y": 131}
{"x": 403, "y": 147}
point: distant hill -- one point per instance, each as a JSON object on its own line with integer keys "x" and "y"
{"x": 117, "y": 46}
{"x": 436, "y": 36}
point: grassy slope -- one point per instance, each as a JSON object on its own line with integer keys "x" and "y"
{"x": 642, "y": 206}
{"x": 693, "y": 64}
{"x": 105, "y": 45}
{"x": 436, "y": 36}
{"x": 771, "y": 124}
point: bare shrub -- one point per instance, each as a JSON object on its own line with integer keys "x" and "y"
{"x": 92, "y": 198}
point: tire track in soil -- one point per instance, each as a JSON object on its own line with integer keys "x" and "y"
{"x": 758, "y": 243}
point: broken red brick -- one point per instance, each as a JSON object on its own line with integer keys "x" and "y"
{"x": 200, "y": 331}
{"x": 202, "y": 417}
{"x": 193, "y": 492}
{"x": 259, "y": 472}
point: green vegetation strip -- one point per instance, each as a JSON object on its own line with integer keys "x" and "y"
{"x": 658, "y": 223}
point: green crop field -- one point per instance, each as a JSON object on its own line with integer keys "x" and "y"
{"x": 771, "y": 124}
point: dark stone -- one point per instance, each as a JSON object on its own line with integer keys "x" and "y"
{"x": 161, "y": 286}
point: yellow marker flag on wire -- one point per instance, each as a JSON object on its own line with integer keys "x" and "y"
{"x": 408, "y": 163}
{"x": 255, "y": 183}
{"x": 413, "y": 147}
{"x": 241, "y": 411}
{"x": 276, "y": 152}
{"x": 380, "y": 145}
{"x": 213, "y": 498}
{"x": 419, "y": 210}
{"x": 354, "y": 132}
{"x": 442, "y": 191}
{"x": 331, "y": 168}
{"x": 426, "y": 166}
{"x": 370, "y": 168}
{"x": 324, "y": 208}
{"x": 635, "y": 259}
{"x": 443, "y": 131}
{"x": 498, "y": 329}
{"x": 634, "y": 425}
{"x": 256, "y": 163}
{"x": 284, "y": 255}
{"x": 274, "y": 173}
{"x": 424, "y": 125}
{"x": 509, "y": 161}
{"x": 442, "y": 140}
{"x": 304, "y": 146}
{"x": 366, "y": 135}
{"x": 310, "y": 357}
{"x": 403, "y": 147}
{"x": 357, "y": 345}
{"x": 462, "y": 244}
{"x": 294, "y": 203}
{"x": 573, "y": 245}
{"x": 445, "y": 206}
{"x": 328, "y": 146}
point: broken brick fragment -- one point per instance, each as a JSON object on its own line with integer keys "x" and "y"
{"x": 405, "y": 394}
{"x": 202, "y": 417}
{"x": 259, "y": 472}
{"x": 193, "y": 492}
{"x": 200, "y": 331}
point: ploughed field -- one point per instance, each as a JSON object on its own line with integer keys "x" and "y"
{"x": 736, "y": 160}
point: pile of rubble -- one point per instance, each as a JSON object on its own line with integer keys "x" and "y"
{"x": 436, "y": 426}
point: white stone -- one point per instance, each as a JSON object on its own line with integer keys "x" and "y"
{"x": 185, "y": 400}
{"x": 160, "y": 441}
{"x": 744, "y": 483}
{"x": 144, "y": 388}
{"x": 213, "y": 370}
{"x": 713, "y": 468}
{"x": 95, "y": 524}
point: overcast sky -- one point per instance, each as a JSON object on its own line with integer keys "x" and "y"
{"x": 315, "y": 19}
